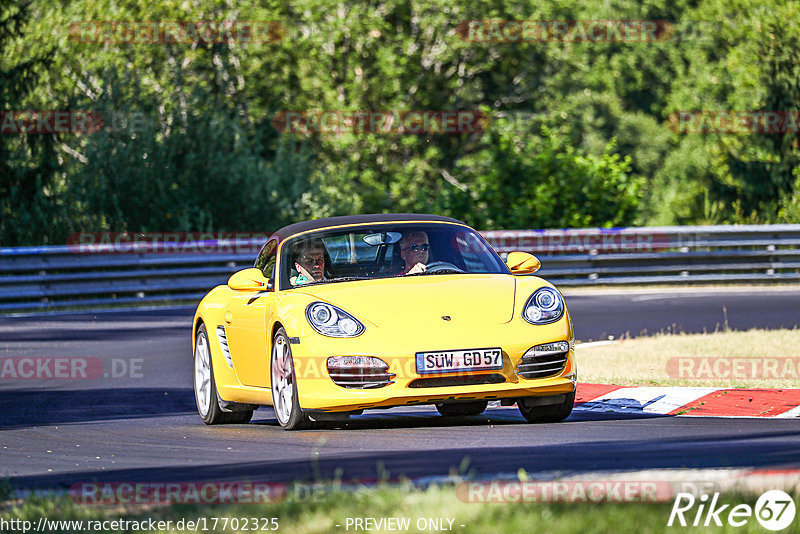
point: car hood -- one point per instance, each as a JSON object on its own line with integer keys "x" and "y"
{"x": 419, "y": 301}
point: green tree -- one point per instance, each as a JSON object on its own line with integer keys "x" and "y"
{"x": 542, "y": 182}
{"x": 29, "y": 209}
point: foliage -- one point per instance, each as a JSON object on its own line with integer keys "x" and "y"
{"x": 551, "y": 184}
{"x": 28, "y": 164}
{"x": 325, "y": 506}
{"x": 579, "y": 136}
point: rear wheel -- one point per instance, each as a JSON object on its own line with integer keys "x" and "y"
{"x": 205, "y": 387}
{"x": 284, "y": 385}
{"x": 461, "y": 409}
{"x": 532, "y": 409}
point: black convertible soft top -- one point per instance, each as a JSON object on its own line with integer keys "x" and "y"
{"x": 316, "y": 224}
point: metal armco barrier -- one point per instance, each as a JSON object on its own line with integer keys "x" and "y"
{"x": 660, "y": 254}
{"x": 58, "y": 277}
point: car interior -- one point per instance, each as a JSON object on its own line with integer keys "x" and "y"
{"x": 348, "y": 255}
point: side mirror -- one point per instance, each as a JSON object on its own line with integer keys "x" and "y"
{"x": 248, "y": 280}
{"x": 522, "y": 263}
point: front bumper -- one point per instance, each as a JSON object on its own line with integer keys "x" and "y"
{"x": 317, "y": 391}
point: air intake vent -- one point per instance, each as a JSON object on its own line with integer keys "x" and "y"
{"x": 359, "y": 372}
{"x": 448, "y": 381}
{"x": 542, "y": 365}
{"x": 223, "y": 345}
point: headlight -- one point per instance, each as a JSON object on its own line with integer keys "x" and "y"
{"x": 544, "y": 306}
{"x": 331, "y": 321}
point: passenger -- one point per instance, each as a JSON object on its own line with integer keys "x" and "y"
{"x": 414, "y": 247}
{"x": 309, "y": 262}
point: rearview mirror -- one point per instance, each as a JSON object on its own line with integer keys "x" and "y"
{"x": 248, "y": 280}
{"x": 522, "y": 263}
{"x": 382, "y": 238}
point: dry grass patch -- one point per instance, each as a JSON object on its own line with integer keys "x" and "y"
{"x": 755, "y": 358}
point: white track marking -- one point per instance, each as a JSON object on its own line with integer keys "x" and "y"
{"x": 646, "y": 399}
{"x": 794, "y": 412}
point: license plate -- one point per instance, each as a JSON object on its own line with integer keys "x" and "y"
{"x": 459, "y": 360}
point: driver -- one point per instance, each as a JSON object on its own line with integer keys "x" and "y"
{"x": 414, "y": 247}
{"x": 309, "y": 262}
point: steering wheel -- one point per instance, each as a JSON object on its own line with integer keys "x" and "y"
{"x": 438, "y": 266}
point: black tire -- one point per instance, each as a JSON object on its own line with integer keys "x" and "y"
{"x": 462, "y": 409}
{"x": 295, "y": 419}
{"x": 552, "y": 413}
{"x": 213, "y": 413}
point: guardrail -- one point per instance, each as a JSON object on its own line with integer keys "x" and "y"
{"x": 660, "y": 254}
{"x": 59, "y": 277}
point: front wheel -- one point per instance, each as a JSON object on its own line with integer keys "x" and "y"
{"x": 205, "y": 387}
{"x": 284, "y": 385}
{"x": 533, "y": 409}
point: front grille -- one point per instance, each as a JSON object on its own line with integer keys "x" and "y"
{"x": 448, "y": 381}
{"x": 360, "y": 377}
{"x": 542, "y": 365}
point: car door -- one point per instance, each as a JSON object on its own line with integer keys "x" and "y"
{"x": 246, "y": 325}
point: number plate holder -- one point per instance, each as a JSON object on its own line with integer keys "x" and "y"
{"x": 448, "y": 361}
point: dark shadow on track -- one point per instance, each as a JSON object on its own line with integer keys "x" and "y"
{"x": 53, "y": 407}
{"x": 387, "y": 419}
{"x": 102, "y": 315}
{"x": 116, "y": 334}
{"x": 754, "y": 449}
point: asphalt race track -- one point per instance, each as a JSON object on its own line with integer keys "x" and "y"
{"x": 139, "y": 423}
{"x": 599, "y": 314}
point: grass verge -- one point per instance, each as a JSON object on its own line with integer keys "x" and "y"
{"x": 751, "y": 359}
{"x": 324, "y": 512}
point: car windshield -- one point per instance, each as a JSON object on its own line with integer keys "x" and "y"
{"x": 385, "y": 250}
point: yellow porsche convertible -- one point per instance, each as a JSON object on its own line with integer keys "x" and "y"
{"x": 344, "y": 314}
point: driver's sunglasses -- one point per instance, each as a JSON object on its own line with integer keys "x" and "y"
{"x": 416, "y": 248}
